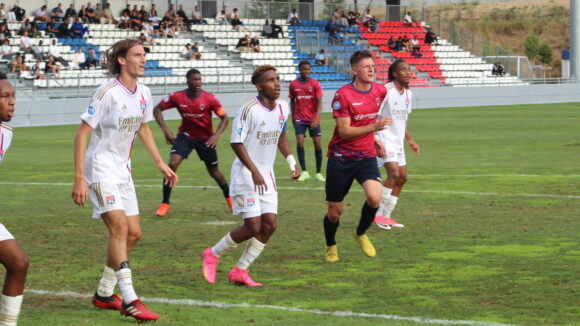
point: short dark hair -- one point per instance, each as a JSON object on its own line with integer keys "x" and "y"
{"x": 3, "y": 75}
{"x": 191, "y": 72}
{"x": 304, "y": 63}
{"x": 358, "y": 56}
{"x": 260, "y": 71}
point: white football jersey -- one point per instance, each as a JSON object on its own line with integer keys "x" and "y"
{"x": 259, "y": 129}
{"x": 5, "y": 139}
{"x": 115, "y": 114}
{"x": 398, "y": 106}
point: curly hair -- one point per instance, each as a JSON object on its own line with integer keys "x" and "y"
{"x": 191, "y": 72}
{"x": 260, "y": 71}
{"x": 119, "y": 49}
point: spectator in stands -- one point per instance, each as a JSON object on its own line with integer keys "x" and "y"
{"x": 244, "y": 44}
{"x": 415, "y": 53}
{"x": 408, "y": 20}
{"x": 37, "y": 71}
{"x": 196, "y": 17}
{"x": 99, "y": 13}
{"x": 237, "y": 24}
{"x": 57, "y": 13}
{"x": 343, "y": 19}
{"x": 63, "y": 30}
{"x": 108, "y": 15}
{"x": 406, "y": 44}
{"x": 195, "y": 54}
{"x": 7, "y": 52}
{"x": 18, "y": 13}
{"x": 26, "y": 25}
{"x": 54, "y": 50}
{"x": 17, "y": 64}
{"x": 430, "y": 37}
{"x": 392, "y": 43}
{"x": 78, "y": 29}
{"x": 321, "y": 58}
{"x": 91, "y": 15}
{"x": 41, "y": 14}
{"x": 144, "y": 14}
{"x": 125, "y": 21}
{"x": 336, "y": 15}
{"x": 372, "y": 25}
{"x": 221, "y": 18}
{"x": 79, "y": 58}
{"x": 150, "y": 32}
{"x": 176, "y": 20}
{"x": 70, "y": 14}
{"x": 267, "y": 29}
{"x": 167, "y": 30}
{"x": 332, "y": 29}
{"x": 38, "y": 51}
{"x": 51, "y": 28}
{"x": 228, "y": 15}
{"x": 3, "y": 15}
{"x": 498, "y": 69}
{"x": 4, "y": 32}
{"x": 367, "y": 16}
{"x": 276, "y": 30}
{"x": 352, "y": 19}
{"x": 127, "y": 10}
{"x": 91, "y": 59}
{"x": 52, "y": 66}
{"x": 25, "y": 42}
{"x": 153, "y": 16}
{"x": 136, "y": 19}
{"x": 83, "y": 14}
{"x": 255, "y": 44}
{"x": 414, "y": 42}
{"x": 399, "y": 44}
{"x": 293, "y": 18}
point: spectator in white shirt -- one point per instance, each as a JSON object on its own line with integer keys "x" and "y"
{"x": 79, "y": 58}
{"x": 367, "y": 16}
{"x": 41, "y": 14}
{"x": 293, "y": 18}
{"x": 221, "y": 18}
{"x": 196, "y": 17}
{"x": 7, "y": 52}
{"x": 3, "y": 12}
{"x": 25, "y": 42}
{"x": 408, "y": 19}
{"x": 54, "y": 50}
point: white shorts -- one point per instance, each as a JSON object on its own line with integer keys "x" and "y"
{"x": 5, "y": 234}
{"x": 109, "y": 197}
{"x": 398, "y": 157}
{"x": 253, "y": 205}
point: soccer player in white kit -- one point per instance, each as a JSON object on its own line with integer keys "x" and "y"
{"x": 258, "y": 128}
{"x": 11, "y": 256}
{"x": 397, "y": 105}
{"x": 118, "y": 112}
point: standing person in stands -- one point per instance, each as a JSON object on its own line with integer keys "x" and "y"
{"x": 306, "y": 105}
{"x": 352, "y": 151}
{"x": 195, "y": 132}
{"x": 408, "y": 20}
{"x": 397, "y": 106}
{"x": 119, "y": 111}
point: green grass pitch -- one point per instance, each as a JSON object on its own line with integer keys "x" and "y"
{"x": 491, "y": 210}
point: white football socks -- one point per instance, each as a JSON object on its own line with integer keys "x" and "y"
{"x": 253, "y": 249}
{"x": 390, "y": 205}
{"x": 107, "y": 283}
{"x": 385, "y": 194}
{"x": 10, "y": 309}
{"x": 126, "y": 285}
{"x": 226, "y": 243}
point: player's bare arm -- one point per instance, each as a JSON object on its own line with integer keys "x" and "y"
{"x": 284, "y": 147}
{"x": 316, "y": 120}
{"x": 158, "y": 114}
{"x": 80, "y": 192}
{"x": 414, "y": 146}
{"x": 346, "y": 131}
{"x": 381, "y": 152}
{"x": 242, "y": 154}
{"x": 147, "y": 139}
{"x": 213, "y": 139}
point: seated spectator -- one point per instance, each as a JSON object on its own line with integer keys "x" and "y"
{"x": 57, "y": 14}
{"x": 91, "y": 15}
{"x": 17, "y": 64}
{"x": 321, "y": 58}
{"x": 127, "y": 10}
{"x": 343, "y": 19}
{"x": 17, "y": 14}
{"x": 63, "y": 30}
{"x": 167, "y": 30}
{"x": 430, "y": 37}
{"x": 293, "y": 18}
{"x": 372, "y": 25}
{"x": 406, "y": 44}
{"x": 78, "y": 29}
{"x": 414, "y": 42}
{"x": 336, "y": 15}
{"x": 244, "y": 44}
{"x": 367, "y": 16}
{"x": 3, "y": 14}
{"x": 54, "y": 51}
{"x": 38, "y": 51}
{"x": 237, "y": 24}
{"x": 267, "y": 29}
{"x": 4, "y": 32}
{"x": 196, "y": 17}
{"x": 125, "y": 21}
{"x": 408, "y": 20}
{"x": 37, "y": 71}
{"x": 276, "y": 30}
{"x": 91, "y": 59}
{"x": 352, "y": 19}
{"x": 83, "y": 14}
{"x": 26, "y": 25}
{"x": 195, "y": 54}
{"x": 415, "y": 53}
{"x": 70, "y": 14}
{"x": 52, "y": 66}
{"x": 79, "y": 58}
{"x": 41, "y": 14}
{"x": 136, "y": 19}
{"x": 332, "y": 29}
{"x": 399, "y": 44}
{"x": 392, "y": 43}
{"x": 25, "y": 43}
{"x": 221, "y": 18}
{"x": 7, "y": 53}
{"x": 108, "y": 15}
{"x": 255, "y": 44}
{"x": 176, "y": 20}
{"x": 100, "y": 14}
{"x": 144, "y": 14}
{"x": 151, "y": 33}
{"x": 153, "y": 16}
{"x": 498, "y": 69}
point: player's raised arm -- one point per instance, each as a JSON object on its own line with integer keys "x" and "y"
{"x": 147, "y": 138}
{"x": 158, "y": 114}
{"x": 80, "y": 192}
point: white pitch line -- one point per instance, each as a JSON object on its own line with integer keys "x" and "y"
{"x": 223, "y": 305}
{"x": 450, "y": 192}
{"x": 219, "y": 223}
{"x": 472, "y": 176}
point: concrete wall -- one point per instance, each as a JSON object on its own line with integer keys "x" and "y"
{"x": 67, "y": 111}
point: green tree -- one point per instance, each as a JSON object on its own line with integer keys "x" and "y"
{"x": 532, "y": 46}
{"x": 545, "y": 53}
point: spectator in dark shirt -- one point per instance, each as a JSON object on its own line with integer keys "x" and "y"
{"x": 416, "y": 54}
{"x": 276, "y": 30}
{"x": 4, "y": 32}
{"x": 91, "y": 15}
{"x": 91, "y": 59}
{"x": 430, "y": 37}
{"x": 71, "y": 14}
{"x": 399, "y": 44}
{"x": 498, "y": 69}
{"x": 19, "y": 13}
{"x": 51, "y": 66}
{"x": 244, "y": 44}
{"x": 57, "y": 13}
{"x": 78, "y": 29}
{"x": 127, "y": 10}
{"x": 352, "y": 19}
{"x": 144, "y": 14}
{"x": 255, "y": 44}
{"x": 83, "y": 14}
{"x": 392, "y": 43}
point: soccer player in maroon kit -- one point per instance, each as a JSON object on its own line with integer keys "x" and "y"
{"x": 195, "y": 132}
{"x": 353, "y": 149}
{"x": 306, "y": 104}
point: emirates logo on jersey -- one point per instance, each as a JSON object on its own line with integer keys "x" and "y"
{"x": 201, "y": 106}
